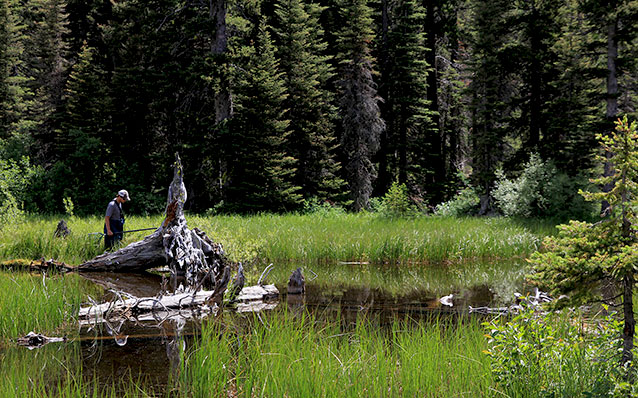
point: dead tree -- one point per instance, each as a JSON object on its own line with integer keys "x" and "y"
{"x": 188, "y": 253}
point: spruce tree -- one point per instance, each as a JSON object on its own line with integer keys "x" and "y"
{"x": 406, "y": 111}
{"x": 310, "y": 108}
{"x": 489, "y": 95}
{"x": 360, "y": 115}
{"x": 260, "y": 171}
{"x": 584, "y": 255}
{"x": 86, "y": 169}
{"x": 46, "y": 57}
{"x": 16, "y": 97}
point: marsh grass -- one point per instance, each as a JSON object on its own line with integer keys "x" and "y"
{"x": 328, "y": 237}
{"x": 56, "y": 371}
{"x": 369, "y": 238}
{"x": 39, "y": 303}
{"x": 298, "y": 357}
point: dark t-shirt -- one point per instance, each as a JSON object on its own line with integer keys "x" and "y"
{"x": 113, "y": 210}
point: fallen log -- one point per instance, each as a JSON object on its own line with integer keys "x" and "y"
{"x": 128, "y": 307}
{"x": 188, "y": 253}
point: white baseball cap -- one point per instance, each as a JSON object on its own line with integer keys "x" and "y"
{"x": 124, "y": 194}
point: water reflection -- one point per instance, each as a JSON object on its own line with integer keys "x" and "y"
{"x": 154, "y": 345}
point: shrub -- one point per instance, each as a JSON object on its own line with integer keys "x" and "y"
{"x": 15, "y": 177}
{"x": 541, "y": 191}
{"x": 315, "y": 205}
{"x": 465, "y": 203}
{"x": 550, "y": 355}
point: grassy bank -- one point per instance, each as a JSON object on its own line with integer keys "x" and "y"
{"x": 303, "y": 238}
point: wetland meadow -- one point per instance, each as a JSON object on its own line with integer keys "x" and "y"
{"x": 372, "y": 322}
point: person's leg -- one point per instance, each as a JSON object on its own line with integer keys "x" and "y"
{"x": 108, "y": 240}
{"x": 117, "y": 229}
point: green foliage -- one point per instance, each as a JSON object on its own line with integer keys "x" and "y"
{"x": 396, "y": 202}
{"x": 541, "y": 190}
{"x": 15, "y": 178}
{"x": 464, "y": 203}
{"x": 551, "y": 355}
{"x": 68, "y": 206}
{"x": 582, "y": 254}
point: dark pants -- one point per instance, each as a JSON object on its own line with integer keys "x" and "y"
{"x": 117, "y": 226}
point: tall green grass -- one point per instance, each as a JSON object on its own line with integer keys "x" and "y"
{"x": 305, "y": 238}
{"x": 55, "y": 371}
{"x": 368, "y": 237}
{"x": 39, "y": 303}
{"x": 302, "y": 358}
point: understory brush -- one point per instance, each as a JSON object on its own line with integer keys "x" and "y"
{"x": 564, "y": 354}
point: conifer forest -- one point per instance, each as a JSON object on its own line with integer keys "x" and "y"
{"x": 273, "y": 104}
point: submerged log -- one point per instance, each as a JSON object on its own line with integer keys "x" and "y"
{"x": 189, "y": 253}
{"x": 128, "y": 307}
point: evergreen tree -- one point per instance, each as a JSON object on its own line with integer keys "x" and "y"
{"x": 360, "y": 115}
{"x": 489, "y": 95}
{"x": 46, "y": 58}
{"x": 406, "y": 111}
{"x": 86, "y": 170}
{"x": 310, "y": 109}
{"x": 260, "y": 171}
{"x": 583, "y": 255}
{"x": 16, "y": 98}
{"x": 572, "y": 103}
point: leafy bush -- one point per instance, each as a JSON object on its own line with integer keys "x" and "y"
{"x": 465, "y": 203}
{"x": 550, "y": 355}
{"x": 15, "y": 177}
{"x": 321, "y": 207}
{"x": 541, "y": 191}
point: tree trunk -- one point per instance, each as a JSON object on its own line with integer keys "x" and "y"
{"x": 219, "y": 48}
{"x": 629, "y": 329}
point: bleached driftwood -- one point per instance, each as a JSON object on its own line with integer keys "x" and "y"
{"x": 127, "y": 307}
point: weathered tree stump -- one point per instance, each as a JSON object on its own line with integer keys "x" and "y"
{"x": 296, "y": 283}
{"x": 62, "y": 230}
{"x": 189, "y": 253}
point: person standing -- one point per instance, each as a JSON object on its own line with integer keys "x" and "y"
{"x": 114, "y": 220}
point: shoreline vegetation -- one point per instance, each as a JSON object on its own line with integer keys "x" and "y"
{"x": 307, "y": 238}
{"x": 295, "y": 353}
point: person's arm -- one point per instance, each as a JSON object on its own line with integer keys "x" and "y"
{"x": 107, "y": 222}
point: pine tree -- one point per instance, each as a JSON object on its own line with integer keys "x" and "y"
{"x": 46, "y": 57}
{"x": 583, "y": 255}
{"x": 86, "y": 169}
{"x": 406, "y": 112}
{"x": 16, "y": 97}
{"x": 489, "y": 95}
{"x": 573, "y": 99}
{"x": 310, "y": 109}
{"x": 260, "y": 171}
{"x": 360, "y": 115}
